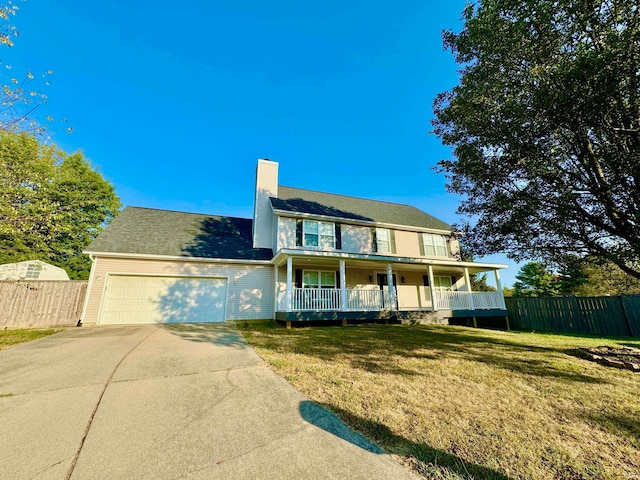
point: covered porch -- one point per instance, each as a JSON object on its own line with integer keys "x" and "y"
{"x": 317, "y": 287}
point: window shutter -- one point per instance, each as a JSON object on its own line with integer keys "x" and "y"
{"x": 421, "y": 244}
{"x": 338, "y": 280}
{"x": 298, "y": 280}
{"x": 299, "y": 233}
{"x": 425, "y": 280}
{"x": 338, "y": 237}
{"x": 392, "y": 237}
{"x": 374, "y": 241}
{"x": 453, "y": 282}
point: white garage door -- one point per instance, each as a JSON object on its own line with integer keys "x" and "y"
{"x": 139, "y": 299}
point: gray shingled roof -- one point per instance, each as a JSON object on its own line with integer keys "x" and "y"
{"x": 297, "y": 200}
{"x": 179, "y": 234}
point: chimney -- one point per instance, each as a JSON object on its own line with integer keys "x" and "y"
{"x": 266, "y": 186}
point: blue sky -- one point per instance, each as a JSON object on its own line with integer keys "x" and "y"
{"x": 174, "y": 102}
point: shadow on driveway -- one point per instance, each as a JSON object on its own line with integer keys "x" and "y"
{"x": 216, "y": 333}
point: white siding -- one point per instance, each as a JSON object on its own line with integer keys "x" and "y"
{"x": 286, "y": 232}
{"x": 45, "y": 271}
{"x": 454, "y": 247}
{"x": 250, "y": 287}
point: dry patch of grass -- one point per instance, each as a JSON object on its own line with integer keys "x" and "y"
{"x": 13, "y": 337}
{"x": 460, "y": 403}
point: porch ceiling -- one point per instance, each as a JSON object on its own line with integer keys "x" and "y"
{"x": 373, "y": 261}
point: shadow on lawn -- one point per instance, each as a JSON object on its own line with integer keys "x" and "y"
{"x": 373, "y": 348}
{"x": 216, "y": 333}
{"x": 628, "y": 426}
{"x": 429, "y": 460}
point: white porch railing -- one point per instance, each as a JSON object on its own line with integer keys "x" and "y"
{"x": 447, "y": 300}
{"x": 462, "y": 300}
{"x": 368, "y": 300}
{"x": 326, "y": 299}
{"x": 487, "y": 300}
{"x": 329, "y": 299}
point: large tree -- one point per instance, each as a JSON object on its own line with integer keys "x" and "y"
{"x": 597, "y": 278}
{"x": 545, "y": 129}
{"x": 52, "y": 205}
{"x": 534, "y": 280}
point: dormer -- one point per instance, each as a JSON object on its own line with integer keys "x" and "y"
{"x": 266, "y": 187}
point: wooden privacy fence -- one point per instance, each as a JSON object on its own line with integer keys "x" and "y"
{"x": 604, "y": 316}
{"x": 41, "y": 303}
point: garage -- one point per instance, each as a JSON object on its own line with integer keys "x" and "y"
{"x": 138, "y": 299}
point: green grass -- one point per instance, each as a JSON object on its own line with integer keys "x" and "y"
{"x": 461, "y": 403}
{"x": 13, "y": 337}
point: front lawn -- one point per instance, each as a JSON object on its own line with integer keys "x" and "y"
{"x": 12, "y": 337}
{"x": 455, "y": 402}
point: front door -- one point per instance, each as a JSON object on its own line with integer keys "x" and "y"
{"x": 383, "y": 282}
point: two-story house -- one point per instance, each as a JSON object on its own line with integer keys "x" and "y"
{"x": 304, "y": 256}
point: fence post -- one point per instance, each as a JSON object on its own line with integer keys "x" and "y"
{"x": 626, "y": 316}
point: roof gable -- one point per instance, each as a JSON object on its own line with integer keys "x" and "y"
{"x": 297, "y": 200}
{"x": 148, "y": 231}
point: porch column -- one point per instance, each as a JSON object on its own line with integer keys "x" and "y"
{"x": 500, "y": 291}
{"x": 289, "y": 282}
{"x": 392, "y": 296}
{"x": 343, "y": 286}
{"x": 434, "y": 304}
{"x": 468, "y": 282}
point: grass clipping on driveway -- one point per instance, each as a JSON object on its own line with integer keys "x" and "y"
{"x": 13, "y": 337}
{"x": 460, "y": 403}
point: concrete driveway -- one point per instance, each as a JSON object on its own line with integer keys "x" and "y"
{"x": 166, "y": 402}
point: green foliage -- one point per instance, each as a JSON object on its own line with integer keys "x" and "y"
{"x": 545, "y": 129}
{"x": 478, "y": 280}
{"x": 479, "y": 283}
{"x": 604, "y": 278}
{"x": 572, "y": 275}
{"x": 52, "y": 205}
{"x": 533, "y": 280}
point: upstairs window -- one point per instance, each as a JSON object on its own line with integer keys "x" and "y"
{"x": 434, "y": 245}
{"x": 317, "y": 234}
{"x": 384, "y": 240}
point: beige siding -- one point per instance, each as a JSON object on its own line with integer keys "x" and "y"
{"x": 356, "y": 239}
{"x": 266, "y": 186}
{"x": 407, "y": 243}
{"x": 412, "y": 294}
{"x": 250, "y": 287}
{"x": 359, "y": 278}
